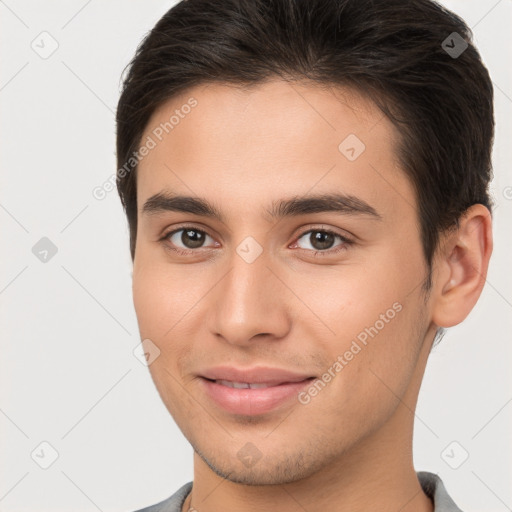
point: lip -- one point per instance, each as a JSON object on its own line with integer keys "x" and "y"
{"x": 254, "y": 375}
{"x": 283, "y": 386}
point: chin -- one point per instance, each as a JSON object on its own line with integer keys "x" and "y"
{"x": 264, "y": 472}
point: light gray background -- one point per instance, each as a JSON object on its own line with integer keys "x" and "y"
{"x": 68, "y": 375}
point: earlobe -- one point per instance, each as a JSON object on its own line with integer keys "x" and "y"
{"x": 462, "y": 264}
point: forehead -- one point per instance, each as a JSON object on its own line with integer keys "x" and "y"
{"x": 270, "y": 140}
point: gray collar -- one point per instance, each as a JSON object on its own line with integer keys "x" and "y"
{"x": 431, "y": 484}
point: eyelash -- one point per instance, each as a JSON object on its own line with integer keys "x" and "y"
{"x": 328, "y": 252}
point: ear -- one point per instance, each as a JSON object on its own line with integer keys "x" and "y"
{"x": 461, "y": 267}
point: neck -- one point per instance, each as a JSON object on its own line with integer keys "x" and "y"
{"x": 355, "y": 483}
{"x": 375, "y": 474}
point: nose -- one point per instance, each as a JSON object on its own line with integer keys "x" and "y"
{"x": 249, "y": 301}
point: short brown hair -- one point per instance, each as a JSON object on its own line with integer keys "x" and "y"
{"x": 413, "y": 58}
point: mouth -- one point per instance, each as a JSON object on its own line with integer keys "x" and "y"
{"x": 244, "y": 385}
{"x": 260, "y": 391}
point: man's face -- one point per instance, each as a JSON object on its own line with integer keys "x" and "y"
{"x": 345, "y": 332}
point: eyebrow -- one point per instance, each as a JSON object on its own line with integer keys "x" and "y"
{"x": 294, "y": 206}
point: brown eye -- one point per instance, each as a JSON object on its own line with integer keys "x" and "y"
{"x": 187, "y": 238}
{"x": 322, "y": 240}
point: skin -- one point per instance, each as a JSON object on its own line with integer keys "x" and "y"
{"x": 350, "y": 447}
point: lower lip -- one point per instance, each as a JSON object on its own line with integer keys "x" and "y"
{"x": 250, "y": 402}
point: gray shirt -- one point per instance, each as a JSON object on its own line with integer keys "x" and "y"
{"x": 432, "y": 486}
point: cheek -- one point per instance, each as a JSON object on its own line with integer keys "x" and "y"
{"x": 372, "y": 371}
{"x": 162, "y": 296}
{"x": 368, "y": 319}
{"x": 165, "y": 299}
{"x": 161, "y": 307}
{"x": 149, "y": 306}
{"x": 346, "y": 300}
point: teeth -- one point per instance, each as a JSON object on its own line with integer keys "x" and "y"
{"x": 241, "y": 385}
